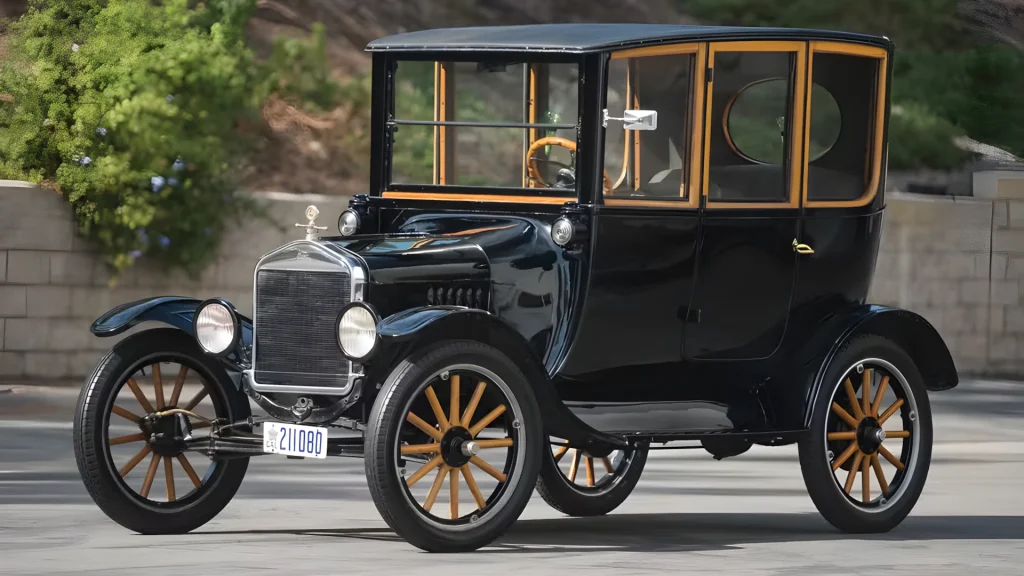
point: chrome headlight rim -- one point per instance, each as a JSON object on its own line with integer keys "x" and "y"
{"x": 236, "y": 325}
{"x": 354, "y": 223}
{"x": 376, "y": 336}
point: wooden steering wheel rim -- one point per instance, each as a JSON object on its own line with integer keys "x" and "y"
{"x": 552, "y": 141}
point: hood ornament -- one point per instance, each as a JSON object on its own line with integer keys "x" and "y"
{"x": 311, "y": 228}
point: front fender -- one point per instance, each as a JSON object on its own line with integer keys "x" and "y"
{"x": 918, "y": 338}
{"x": 176, "y": 311}
{"x": 403, "y": 333}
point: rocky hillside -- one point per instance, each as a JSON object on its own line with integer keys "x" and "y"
{"x": 327, "y": 153}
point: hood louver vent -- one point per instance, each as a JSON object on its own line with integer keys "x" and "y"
{"x": 453, "y": 295}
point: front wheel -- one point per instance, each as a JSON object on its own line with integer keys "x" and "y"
{"x": 126, "y": 422}
{"x": 866, "y": 457}
{"x": 459, "y": 412}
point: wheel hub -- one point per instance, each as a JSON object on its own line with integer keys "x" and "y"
{"x": 870, "y": 435}
{"x": 458, "y": 447}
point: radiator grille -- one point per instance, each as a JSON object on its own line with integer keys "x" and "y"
{"x": 295, "y": 324}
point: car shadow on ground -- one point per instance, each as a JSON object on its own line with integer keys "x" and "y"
{"x": 695, "y": 532}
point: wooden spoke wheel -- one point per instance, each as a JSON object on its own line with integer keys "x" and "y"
{"x": 578, "y": 483}
{"x": 453, "y": 446}
{"x": 870, "y": 446}
{"x": 154, "y": 390}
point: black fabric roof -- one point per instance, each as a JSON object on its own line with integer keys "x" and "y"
{"x": 579, "y": 38}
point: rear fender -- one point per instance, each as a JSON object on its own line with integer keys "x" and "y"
{"x": 915, "y": 335}
{"x": 405, "y": 332}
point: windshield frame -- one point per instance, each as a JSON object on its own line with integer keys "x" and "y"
{"x": 383, "y": 135}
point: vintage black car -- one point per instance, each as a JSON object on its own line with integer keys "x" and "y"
{"x": 580, "y": 242}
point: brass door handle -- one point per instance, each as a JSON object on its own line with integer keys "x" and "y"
{"x": 802, "y": 248}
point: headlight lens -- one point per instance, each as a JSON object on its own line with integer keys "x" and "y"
{"x": 357, "y": 332}
{"x": 215, "y": 328}
{"x": 562, "y": 231}
{"x": 348, "y": 223}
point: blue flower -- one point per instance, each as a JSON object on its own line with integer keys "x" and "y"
{"x": 85, "y": 161}
{"x": 135, "y": 253}
{"x": 142, "y": 236}
{"x": 101, "y": 131}
{"x": 178, "y": 165}
{"x": 170, "y": 98}
{"x": 74, "y": 47}
{"x": 158, "y": 183}
{"x": 172, "y": 181}
{"x": 164, "y": 241}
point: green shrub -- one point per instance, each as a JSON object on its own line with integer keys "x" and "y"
{"x": 140, "y": 114}
{"x": 918, "y": 138}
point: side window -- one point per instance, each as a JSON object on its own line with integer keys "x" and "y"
{"x": 751, "y": 126}
{"x": 842, "y": 126}
{"x": 649, "y": 164}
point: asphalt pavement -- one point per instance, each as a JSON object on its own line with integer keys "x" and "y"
{"x": 748, "y": 515}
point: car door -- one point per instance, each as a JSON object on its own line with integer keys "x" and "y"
{"x": 645, "y": 228}
{"x": 746, "y": 261}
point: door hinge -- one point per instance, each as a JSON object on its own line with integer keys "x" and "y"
{"x": 710, "y": 75}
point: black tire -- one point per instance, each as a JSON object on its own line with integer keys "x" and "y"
{"x": 818, "y": 454}
{"x": 606, "y": 494}
{"x": 384, "y": 433}
{"x": 93, "y": 453}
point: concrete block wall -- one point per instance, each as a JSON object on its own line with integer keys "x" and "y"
{"x": 53, "y": 286}
{"x": 957, "y": 261}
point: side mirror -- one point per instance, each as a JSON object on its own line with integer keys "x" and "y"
{"x": 635, "y": 119}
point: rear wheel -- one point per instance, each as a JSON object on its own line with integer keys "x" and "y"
{"x": 866, "y": 458}
{"x": 460, "y": 413}
{"x": 124, "y": 431}
{"x": 577, "y": 483}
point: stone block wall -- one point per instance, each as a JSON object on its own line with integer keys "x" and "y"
{"x": 958, "y": 261}
{"x": 52, "y": 286}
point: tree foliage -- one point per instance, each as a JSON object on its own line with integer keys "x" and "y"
{"x": 137, "y": 112}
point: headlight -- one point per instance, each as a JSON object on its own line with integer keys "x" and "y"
{"x": 357, "y": 331}
{"x": 348, "y": 223}
{"x": 562, "y": 231}
{"x": 216, "y": 327}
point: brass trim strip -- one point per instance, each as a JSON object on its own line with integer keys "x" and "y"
{"x": 399, "y": 195}
{"x": 663, "y": 50}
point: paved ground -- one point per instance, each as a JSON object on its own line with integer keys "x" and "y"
{"x": 691, "y": 514}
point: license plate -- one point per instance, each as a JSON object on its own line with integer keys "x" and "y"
{"x": 294, "y": 440}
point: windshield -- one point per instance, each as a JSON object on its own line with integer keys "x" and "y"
{"x": 507, "y": 125}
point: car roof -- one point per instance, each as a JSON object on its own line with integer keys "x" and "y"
{"x": 585, "y": 38}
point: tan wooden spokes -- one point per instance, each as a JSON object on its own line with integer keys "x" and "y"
{"x": 146, "y": 450}
{"x": 866, "y": 456}
{"x": 455, "y": 419}
{"x": 578, "y": 457}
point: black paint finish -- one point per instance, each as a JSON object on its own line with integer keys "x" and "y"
{"x": 745, "y": 271}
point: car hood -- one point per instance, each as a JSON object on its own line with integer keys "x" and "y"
{"x": 435, "y": 251}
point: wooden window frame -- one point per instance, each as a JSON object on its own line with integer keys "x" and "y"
{"x": 690, "y": 186}
{"x": 797, "y": 141}
{"x": 444, "y": 149}
{"x": 875, "y": 142}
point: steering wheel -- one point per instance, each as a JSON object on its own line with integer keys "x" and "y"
{"x": 534, "y": 173}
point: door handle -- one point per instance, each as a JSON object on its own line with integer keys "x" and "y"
{"x": 802, "y": 248}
